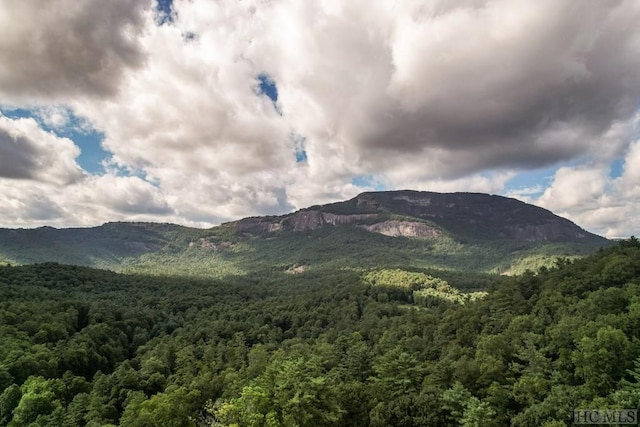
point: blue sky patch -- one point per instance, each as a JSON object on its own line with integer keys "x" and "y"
{"x": 301, "y": 156}
{"x": 617, "y": 168}
{"x": 123, "y": 171}
{"x": 76, "y": 129}
{"x": 299, "y": 144}
{"x": 267, "y": 87}
{"x": 164, "y": 12}
{"x": 532, "y": 183}
{"x": 368, "y": 181}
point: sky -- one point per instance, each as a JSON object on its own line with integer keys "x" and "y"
{"x": 198, "y": 112}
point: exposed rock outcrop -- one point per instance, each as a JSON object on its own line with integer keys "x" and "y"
{"x": 334, "y": 219}
{"x": 300, "y": 221}
{"x": 311, "y": 220}
{"x": 303, "y": 221}
{"x": 395, "y": 228}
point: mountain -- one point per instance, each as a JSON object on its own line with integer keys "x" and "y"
{"x": 466, "y": 231}
{"x": 426, "y": 214}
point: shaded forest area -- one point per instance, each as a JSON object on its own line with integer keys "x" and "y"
{"x": 320, "y": 348}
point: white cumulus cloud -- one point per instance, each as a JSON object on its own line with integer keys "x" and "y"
{"x": 28, "y": 152}
{"x": 418, "y": 94}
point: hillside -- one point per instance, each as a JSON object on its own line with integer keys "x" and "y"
{"x": 467, "y": 231}
{"x": 84, "y": 347}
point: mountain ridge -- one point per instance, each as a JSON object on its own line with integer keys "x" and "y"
{"x": 429, "y": 207}
{"x": 473, "y": 231}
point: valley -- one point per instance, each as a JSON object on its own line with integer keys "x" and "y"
{"x": 390, "y": 309}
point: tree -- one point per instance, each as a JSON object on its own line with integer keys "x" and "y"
{"x": 603, "y": 360}
{"x": 38, "y": 399}
{"x": 294, "y": 390}
{"x": 9, "y": 400}
{"x": 465, "y": 408}
{"x": 77, "y": 411}
{"x": 397, "y": 373}
{"x": 173, "y": 408}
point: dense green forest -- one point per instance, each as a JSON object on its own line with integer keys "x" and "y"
{"x": 330, "y": 347}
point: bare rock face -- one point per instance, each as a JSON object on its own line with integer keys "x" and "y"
{"x": 303, "y": 221}
{"x": 296, "y": 269}
{"x": 334, "y": 219}
{"x": 311, "y": 220}
{"x": 395, "y": 228}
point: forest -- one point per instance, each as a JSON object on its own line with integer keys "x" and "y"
{"x": 324, "y": 347}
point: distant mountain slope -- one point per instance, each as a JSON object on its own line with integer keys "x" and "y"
{"x": 468, "y": 231}
{"x": 427, "y": 214}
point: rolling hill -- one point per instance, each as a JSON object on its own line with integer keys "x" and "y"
{"x": 462, "y": 231}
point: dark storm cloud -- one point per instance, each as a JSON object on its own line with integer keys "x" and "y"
{"x": 29, "y": 153}
{"x": 59, "y": 49}
{"x": 17, "y": 157}
{"x": 491, "y": 88}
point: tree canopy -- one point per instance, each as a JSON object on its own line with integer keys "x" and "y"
{"x": 323, "y": 347}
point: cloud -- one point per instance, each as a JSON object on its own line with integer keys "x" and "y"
{"x": 54, "y": 117}
{"x": 575, "y": 187}
{"x": 459, "y": 88}
{"x": 479, "y": 183}
{"x": 216, "y": 148}
{"x": 629, "y": 182}
{"x": 426, "y": 95}
{"x": 125, "y": 195}
{"x": 41, "y": 183}
{"x": 28, "y": 152}
{"x": 591, "y": 198}
{"x": 25, "y": 204}
{"x": 90, "y": 201}
{"x": 65, "y": 48}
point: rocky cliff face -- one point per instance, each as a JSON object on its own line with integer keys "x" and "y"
{"x": 300, "y": 221}
{"x": 303, "y": 221}
{"x": 403, "y": 228}
{"x": 333, "y": 219}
